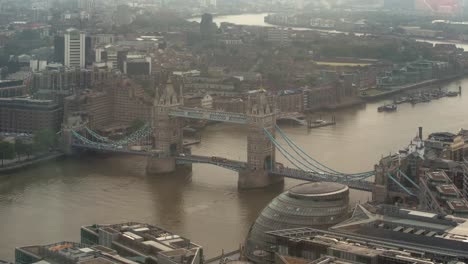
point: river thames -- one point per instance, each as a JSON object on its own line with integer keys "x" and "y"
{"x": 49, "y": 203}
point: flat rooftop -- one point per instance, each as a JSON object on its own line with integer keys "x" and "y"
{"x": 17, "y": 102}
{"x": 146, "y": 234}
{"x": 459, "y": 206}
{"x": 447, "y": 190}
{"x": 437, "y": 176}
{"x": 380, "y": 238}
{"x": 75, "y": 253}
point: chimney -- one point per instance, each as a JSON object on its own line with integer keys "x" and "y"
{"x": 420, "y": 133}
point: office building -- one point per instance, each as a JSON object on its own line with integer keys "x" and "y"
{"x": 37, "y": 65}
{"x": 68, "y": 253}
{"x": 148, "y": 243}
{"x": 59, "y": 50}
{"x": 137, "y": 65}
{"x": 75, "y": 48}
{"x": 112, "y": 55}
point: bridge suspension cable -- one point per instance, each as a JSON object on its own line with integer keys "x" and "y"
{"x": 310, "y": 175}
{"x": 400, "y": 185}
{"x": 89, "y": 142}
{"x": 283, "y": 152}
{"x": 132, "y": 138}
{"x": 409, "y": 179}
{"x": 97, "y": 136}
{"x": 324, "y": 168}
{"x": 290, "y": 157}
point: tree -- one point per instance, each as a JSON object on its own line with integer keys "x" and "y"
{"x": 136, "y": 124}
{"x": 7, "y": 150}
{"x": 21, "y": 148}
{"x": 44, "y": 140}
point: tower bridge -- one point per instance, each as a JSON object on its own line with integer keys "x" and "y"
{"x": 166, "y": 152}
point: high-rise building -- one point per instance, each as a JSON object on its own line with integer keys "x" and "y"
{"x": 207, "y": 26}
{"x": 75, "y": 48}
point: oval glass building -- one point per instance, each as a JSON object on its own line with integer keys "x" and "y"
{"x": 318, "y": 205}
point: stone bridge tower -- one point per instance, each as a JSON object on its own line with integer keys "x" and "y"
{"x": 167, "y": 130}
{"x": 260, "y": 150}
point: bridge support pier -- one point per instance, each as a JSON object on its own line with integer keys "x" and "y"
{"x": 156, "y": 165}
{"x": 254, "y": 179}
{"x": 67, "y": 141}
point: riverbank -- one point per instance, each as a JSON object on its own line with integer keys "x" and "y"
{"x": 15, "y": 166}
{"x": 194, "y": 17}
{"x": 380, "y": 93}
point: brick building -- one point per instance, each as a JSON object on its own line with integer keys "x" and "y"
{"x": 21, "y": 115}
{"x": 228, "y": 104}
{"x": 321, "y": 96}
{"x": 118, "y": 104}
{"x": 290, "y": 101}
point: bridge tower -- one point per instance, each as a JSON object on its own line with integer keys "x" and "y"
{"x": 167, "y": 130}
{"x": 71, "y": 123}
{"x": 260, "y": 150}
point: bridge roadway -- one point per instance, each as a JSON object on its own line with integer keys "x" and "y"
{"x": 113, "y": 149}
{"x": 207, "y": 114}
{"x": 235, "y": 165}
{"x": 221, "y": 162}
{"x": 297, "y": 174}
{"x": 227, "y": 117}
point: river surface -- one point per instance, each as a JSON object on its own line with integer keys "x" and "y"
{"x": 49, "y": 203}
{"x": 258, "y": 20}
{"x": 245, "y": 19}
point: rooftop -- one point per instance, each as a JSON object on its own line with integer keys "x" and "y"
{"x": 447, "y": 189}
{"x": 317, "y": 189}
{"x": 379, "y": 242}
{"x": 437, "y": 176}
{"x": 147, "y": 239}
{"x": 23, "y": 102}
{"x": 458, "y": 206}
{"x": 71, "y": 252}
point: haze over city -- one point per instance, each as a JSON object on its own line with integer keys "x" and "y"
{"x": 233, "y": 131}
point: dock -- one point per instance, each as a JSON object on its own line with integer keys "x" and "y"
{"x": 379, "y": 93}
{"x": 191, "y": 141}
{"x": 320, "y": 123}
{"x": 31, "y": 162}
